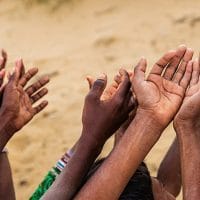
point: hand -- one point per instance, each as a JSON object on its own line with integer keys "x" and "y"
{"x": 104, "y": 112}
{"x": 189, "y": 110}
{"x": 18, "y": 102}
{"x": 162, "y": 93}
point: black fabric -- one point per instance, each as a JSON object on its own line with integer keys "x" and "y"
{"x": 138, "y": 188}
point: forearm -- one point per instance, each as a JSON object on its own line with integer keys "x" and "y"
{"x": 6, "y": 182}
{"x": 69, "y": 181}
{"x": 6, "y": 131}
{"x": 169, "y": 173}
{"x": 123, "y": 161}
{"x": 189, "y": 144}
{"x": 52, "y": 174}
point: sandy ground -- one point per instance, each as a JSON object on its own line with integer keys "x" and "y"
{"x": 72, "y": 40}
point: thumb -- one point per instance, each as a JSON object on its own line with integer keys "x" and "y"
{"x": 139, "y": 71}
{"x": 98, "y": 86}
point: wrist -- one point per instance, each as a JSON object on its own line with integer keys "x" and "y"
{"x": 95, "y": 137}
{"x": 6, "y": 132}
{"x": 150, "y": 119}
{"x": 6, "y": 124}
{"x": 186, "y": 128}
{"x": 88, "y": 142}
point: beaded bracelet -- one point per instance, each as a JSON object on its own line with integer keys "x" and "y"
{"x": 51, "y": 176}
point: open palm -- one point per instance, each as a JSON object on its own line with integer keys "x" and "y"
{"x": 190, "y": 107}
{"x": 18, "y": 102}
{"x": 162, "y": 92}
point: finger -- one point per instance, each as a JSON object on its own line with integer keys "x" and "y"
{"x": 39, "y": 95}
{"x": 195, "y": 72}
{"x": 117, "y": 79}
{"x": 187, "y": 75}
{"x": 3, "y": 60}
{"x": 182, "y": 67}
{"x": 40, "y": 107}
{"x": 172, "y": 67}
{"x": 139, "y": 71}
{"x": 124, "y": 86}
{"x": 98, "y": 86}
{"x": 37, "y": 85}
{"x": 160, "y": 65}
{"x": 90, "y": 81}
{"x": 22, "y": 69}
{"x": 2, "y": 75}
{"x": 17, "y": 71}
{"x": 115, "y": 85}
{"x": 27, "y": 76}
{"x": 130, "y": 73}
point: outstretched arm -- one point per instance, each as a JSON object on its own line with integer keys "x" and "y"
{"x": 169, "y": 173}
{"x": 11, "y": 119}
{"x": 187, "y": 124}
{"x": 101, "y": 117}
{"x": 153, "y": 114}
{"x": 6, "y": 183}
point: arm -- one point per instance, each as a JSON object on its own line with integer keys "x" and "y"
{"x": 99, "y": 186}
{"x": 6, "y": 182}
{"x": 15, "y": 111}
{"x": 153, "y": 115}
{"x": 189, "y": 142}
{"x": 186, "y": 124}
{"x": 100, "y": 119}
{"x": 52, "y": 174}
{"x": 169, "y": 173}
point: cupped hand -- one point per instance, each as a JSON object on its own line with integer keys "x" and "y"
{"x": 189, "y": 111}
{"x": 106, "y": 109}
{"x": 162, "y": 93}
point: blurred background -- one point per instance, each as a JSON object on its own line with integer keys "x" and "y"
{"x": 69, "y": 39}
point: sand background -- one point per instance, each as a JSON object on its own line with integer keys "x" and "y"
{"x": 70, "y": 39}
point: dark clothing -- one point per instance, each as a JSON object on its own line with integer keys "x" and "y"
{"x": 138, "y": 188}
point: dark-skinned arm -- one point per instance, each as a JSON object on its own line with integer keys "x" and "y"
{"x": 101, "y": 117}
{"x": 6, "y": 182}
{"x": 16, "y": 111}
{"x": 187, "y": 126}
{"x": 153, "y": 114}
{"x": 169, "y": 173}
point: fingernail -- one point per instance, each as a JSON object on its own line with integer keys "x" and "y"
{"x": 102, "y": 76}
{"x": 182, "y": 46}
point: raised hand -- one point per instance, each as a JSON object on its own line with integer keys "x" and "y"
{"x": 189, "y": 110}
{"x": 106, "y": 109}
{"x": 18, "y": 102}
{"x": 162, "y": 93}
